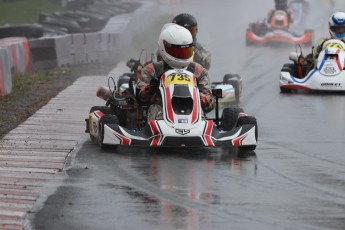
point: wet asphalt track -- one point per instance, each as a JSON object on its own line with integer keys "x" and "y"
{"x": 296, "y": 179}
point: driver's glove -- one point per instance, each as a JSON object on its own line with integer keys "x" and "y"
{"x": 152, "y": 87}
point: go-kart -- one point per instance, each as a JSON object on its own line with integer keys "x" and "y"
{"x": 123, "y": 121}
{"x": 327, "y": 74}
{"x": 231, "y": 87}
{"x": 277, "y": 31}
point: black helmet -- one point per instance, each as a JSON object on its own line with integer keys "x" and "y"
{"x": 185, "y": 20}
{"x": 281, "y": 4}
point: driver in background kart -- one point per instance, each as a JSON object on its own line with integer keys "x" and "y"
{"x": 303, "y": 3}
{"x": 175, "y": 47}
{"x": 280, "y": 5}
{"x": 336, "y": 24}
{"x": 201, "y": 54}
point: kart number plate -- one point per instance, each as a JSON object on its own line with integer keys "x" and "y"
{"x": 334, "y": 45}
{"x": 176, "y": 78}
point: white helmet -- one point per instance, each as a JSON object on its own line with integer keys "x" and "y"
{"x": 175, "y": 46}
{"x": 337, "y": 25}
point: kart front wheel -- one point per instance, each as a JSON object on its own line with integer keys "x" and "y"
{"x": 104, "y": 110}
{"x": 105, "y": 120}
{"x": 248, "y": 120}
{"x": 230, "y": 117}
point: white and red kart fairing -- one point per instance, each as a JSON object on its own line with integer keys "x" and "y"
{"x": 183, "y": 123}
{"x": 328, "y": 75}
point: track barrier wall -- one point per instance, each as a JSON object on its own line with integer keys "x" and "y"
{"x": 5, "y": 72}
{"x": 109, "y": 44}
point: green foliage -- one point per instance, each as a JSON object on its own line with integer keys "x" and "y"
{"x": 25, "y": 11}
{"x": 22, "y": 83}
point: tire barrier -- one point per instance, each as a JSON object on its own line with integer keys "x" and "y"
{"x": 21, "y": 30}
{"x": 24, "y": 49}
{"x": 21, "y": 60}
{"x": 5, "y": 72}
{"x": 109, "y": 44}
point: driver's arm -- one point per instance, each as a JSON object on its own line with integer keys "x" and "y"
{"x": 318, "y": 47}
{"x": 204, "y": 86}
{"x": 145, "y": 89}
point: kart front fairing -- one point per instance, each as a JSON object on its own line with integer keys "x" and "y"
{"x": 158, "y": 133}
{"x": 329, "y": 74}
{"x": 183, "y": 123}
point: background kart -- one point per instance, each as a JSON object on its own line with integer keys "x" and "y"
{"x": 277, "y": 31}
{"x": 123, "y": 121}
{"x": 327, "y": 75}
{"x": 231, "y": 87}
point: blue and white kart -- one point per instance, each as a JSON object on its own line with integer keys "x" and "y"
{"x": 328, "y": 75}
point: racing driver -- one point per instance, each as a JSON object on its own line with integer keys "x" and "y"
{"x": 336, "y": 26}
{"x": 201, "y": 54}
{"x": 175, "y": 46}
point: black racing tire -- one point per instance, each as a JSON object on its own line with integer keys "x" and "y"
{"x": 233, "y": 79}
{"x": 231, "y": 76}
{"x": 248, "y": 120}
{"x": 290, "y": 68}
{"x": 103, "y": 109}
{"x": 230, "y": 117}
{"x": 236, "y": 86}
{"x": 105, "y": 120}
{"x": 285, "y": 90}
{"x": 250, "y": 29}
{"x": 249, "y": 43}
{"x": 311, "y": 41}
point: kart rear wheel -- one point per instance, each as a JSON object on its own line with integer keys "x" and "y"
{"x": 233, "y": 79}
{"x": 103, "y": 109}
{"x": 230, "y": 76}
{"x": 290, "y": 68}
{"x": 285, "y": 90}
{"x": 249, "y": 43}
{"x": 105, "y": 120}
{"x": 311, "y": 41}
{"x": 230, "y": 117}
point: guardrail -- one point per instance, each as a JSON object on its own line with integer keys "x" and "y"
{"x": 20, "y": 56}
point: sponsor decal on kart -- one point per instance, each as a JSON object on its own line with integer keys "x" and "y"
{"x": 331, "y": 84}
{"x": 182, "y": 131}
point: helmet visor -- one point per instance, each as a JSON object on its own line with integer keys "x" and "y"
{"x": 338, "y": 29}
{"x": 179, "y": 51}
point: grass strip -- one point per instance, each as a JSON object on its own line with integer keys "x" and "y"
{"x": 25, "y": 11}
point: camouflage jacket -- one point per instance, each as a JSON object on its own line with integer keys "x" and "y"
{"x": 202, "y": 55}
{"x": 156, "y": 69}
